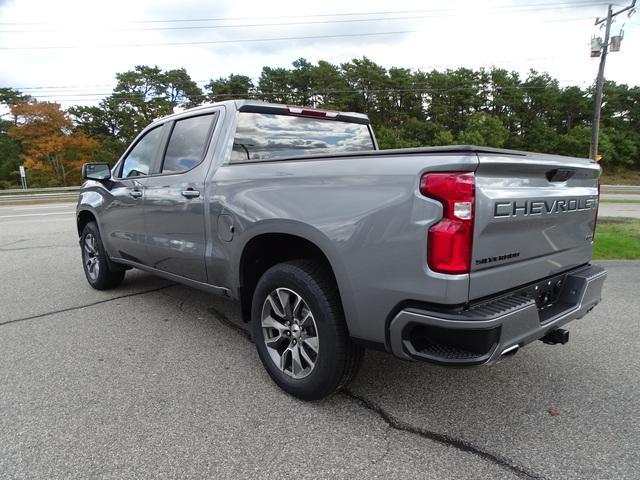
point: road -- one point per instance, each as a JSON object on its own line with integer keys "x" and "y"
{"x": 631, "y": 210}
{"x": 620, "y": 196}
{"x": 158, "y": 380}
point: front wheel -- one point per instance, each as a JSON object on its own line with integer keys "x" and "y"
{"x": 300, "y": 331}
{"x": 97, "y": 268}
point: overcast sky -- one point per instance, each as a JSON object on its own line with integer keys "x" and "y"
{"x": 546, "y": 35}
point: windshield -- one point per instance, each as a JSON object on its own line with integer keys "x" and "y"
{"x": 267, "y": 136}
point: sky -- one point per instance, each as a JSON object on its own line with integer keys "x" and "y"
{"x": 69, "y": 51}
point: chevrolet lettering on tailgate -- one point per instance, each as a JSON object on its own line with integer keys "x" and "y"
{"x": 541, "y": 207}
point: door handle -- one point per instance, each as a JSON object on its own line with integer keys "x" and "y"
{"x": 135, "y": 193}
{"x": 190, "y": 193}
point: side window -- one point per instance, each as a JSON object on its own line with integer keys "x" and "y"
{"x": 187, "y": 144}
{"x": 138, "y": 161}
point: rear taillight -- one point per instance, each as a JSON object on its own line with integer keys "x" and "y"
{"x": 451, "y": 239}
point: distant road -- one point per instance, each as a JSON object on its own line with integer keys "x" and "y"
{"x": 64, "y": 211}
{"x": 33, "y": 212}
{"x": 619, "y": 196}
{"x": 631, "y": 210}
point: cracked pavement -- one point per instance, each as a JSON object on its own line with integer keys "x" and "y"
{"x": 156, "y": 379}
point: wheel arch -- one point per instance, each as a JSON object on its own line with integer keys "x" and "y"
{"x": 83, "y": 217}
{"x": 281, "y": 247}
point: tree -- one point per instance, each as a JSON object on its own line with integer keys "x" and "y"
{"x": 51, "y": 149}
{"x": 231, "y": 88}
{"x": 9, "y": 156}
{"x": 542, "y": 137}
{"x": 493, "y": 107}
{"x": 452, "y": 96}
{"x": 274, "y": 85}
{"x": 541, "y": 97}
{"x": 10, "y": 97}
{"x": 301, "y": 78}
{"x": 368, "y": 81}
{"x": 422, "y": 133}
{"x": 405, "y": 95}
{"x": 331, "y": 90}
{"x": 140, "y": 96}
{"x": 9, "y": 147}
{"x": 96, "y": 123}
{"x": 573, "y": 108}
{"x": 180, "y": 90}
{"x": 392, "y": 138}
{"x": 484, "y": 129}
{"x": 505, "y": 98}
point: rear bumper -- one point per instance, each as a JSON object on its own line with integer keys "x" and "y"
{"x": 492, "y": 329}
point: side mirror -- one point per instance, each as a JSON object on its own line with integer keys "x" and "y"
{"x": 96, "y": 171}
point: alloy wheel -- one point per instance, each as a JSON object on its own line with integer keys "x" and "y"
{"x": 290, "y": 332}
{"x": 90, "y": 256}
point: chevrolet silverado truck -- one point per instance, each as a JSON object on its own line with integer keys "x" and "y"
{"x": 457, "y": 256}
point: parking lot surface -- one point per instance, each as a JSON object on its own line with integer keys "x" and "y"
{"x": 158, "y": 380}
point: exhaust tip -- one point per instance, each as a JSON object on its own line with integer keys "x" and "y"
{"x": 509, "y": 351}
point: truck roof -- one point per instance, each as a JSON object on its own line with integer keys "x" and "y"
{"x": 267, "y": 107}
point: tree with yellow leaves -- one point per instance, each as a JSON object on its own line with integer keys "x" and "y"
{"x": 52, "y": 150}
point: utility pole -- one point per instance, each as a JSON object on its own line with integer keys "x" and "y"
{"x": 597, "y": 102}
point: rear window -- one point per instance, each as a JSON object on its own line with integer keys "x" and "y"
{"x": 267, "y": 136}
{"x": 187, "y": 144}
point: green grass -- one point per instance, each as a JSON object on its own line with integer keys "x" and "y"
{"x": 617, "y": 238}
{"x": 618, "y": 200}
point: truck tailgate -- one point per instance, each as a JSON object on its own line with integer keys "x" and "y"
{"x": 535, "y": 215}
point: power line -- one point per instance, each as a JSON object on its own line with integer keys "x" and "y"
{"x": 279, "y": 24}
{"x": 60, "y": 87}
{"x": 218, "y": 42}
{"x": 50, "y": 90}
{"x": 448, "y": 13}
{"x": 416, "y": 88}
{"x": 212, "y": 42}
{"x": 421, "y": 89}
{"x": 551, "y": 5}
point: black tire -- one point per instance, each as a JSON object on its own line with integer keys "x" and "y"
{"x": 338, "y": 358}
{"x": 105, "y": 276}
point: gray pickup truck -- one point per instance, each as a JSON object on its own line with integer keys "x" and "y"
{"x": 457, "y": 256}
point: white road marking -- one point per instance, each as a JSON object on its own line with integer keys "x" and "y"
{"x": 70, "y": 212}
{"x": 38, "y": 207}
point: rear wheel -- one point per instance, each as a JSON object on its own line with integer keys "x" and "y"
{"x": 300, "y": 332}
{"x": 97, "y": 269}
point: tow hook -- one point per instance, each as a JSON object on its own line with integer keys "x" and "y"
{"x": 559, "y": 335}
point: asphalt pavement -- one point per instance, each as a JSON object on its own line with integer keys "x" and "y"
{"x": 158, "y": 380}
{"x": 629, "y": 210}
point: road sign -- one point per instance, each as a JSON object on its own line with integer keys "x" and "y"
{"x": 23, "y": 177}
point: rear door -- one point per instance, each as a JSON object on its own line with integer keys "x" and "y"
{"x": 174, "y": 199}
{"x": 535, "y": 217}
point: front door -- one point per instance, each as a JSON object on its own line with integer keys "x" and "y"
{"x": 174, "y": 200}
{"x": 122, "y": 222}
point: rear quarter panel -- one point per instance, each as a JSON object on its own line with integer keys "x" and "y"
{"x": 365, "y": 213}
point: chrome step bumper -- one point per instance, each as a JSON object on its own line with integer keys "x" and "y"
{"x": 483, "y": 333}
